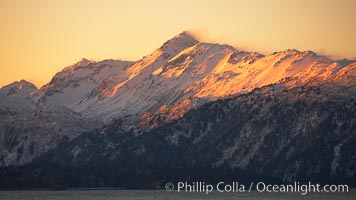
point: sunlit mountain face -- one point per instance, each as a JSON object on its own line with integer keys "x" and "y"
{"x": 222, "y": 105}
{"x": 181, "y": 70}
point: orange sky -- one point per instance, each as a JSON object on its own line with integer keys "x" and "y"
{"x": 40, "y": 37}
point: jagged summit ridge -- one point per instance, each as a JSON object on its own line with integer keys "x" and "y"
{"x": 75, "y": 82}
{"x": 177, "y": 77}
{"x": 181, "y": 69}
{"x": 22, "y": 87}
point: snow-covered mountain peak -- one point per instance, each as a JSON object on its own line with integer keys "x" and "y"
{"x": 293, "y": 56}
{"x": 22, "y": 88}
{"x": 178, "y": 43}
{"x": 16, "y": 95}
{"x": 142, "y": 69}
{"x": 83, "y": 63}
{"x": 295, "y": 52}
{"x": 198, "y": 59}
{"x": 76, "y": 82}
{"x": 182, "y": 68}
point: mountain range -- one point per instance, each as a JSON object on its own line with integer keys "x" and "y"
{"x": 187, "y": 108}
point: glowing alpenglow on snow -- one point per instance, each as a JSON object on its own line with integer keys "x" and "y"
{"x": 39, "y": 37}
{"x": 183, "y": 73}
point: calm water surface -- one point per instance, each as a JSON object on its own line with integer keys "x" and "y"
{"x": 163, "y": 195}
